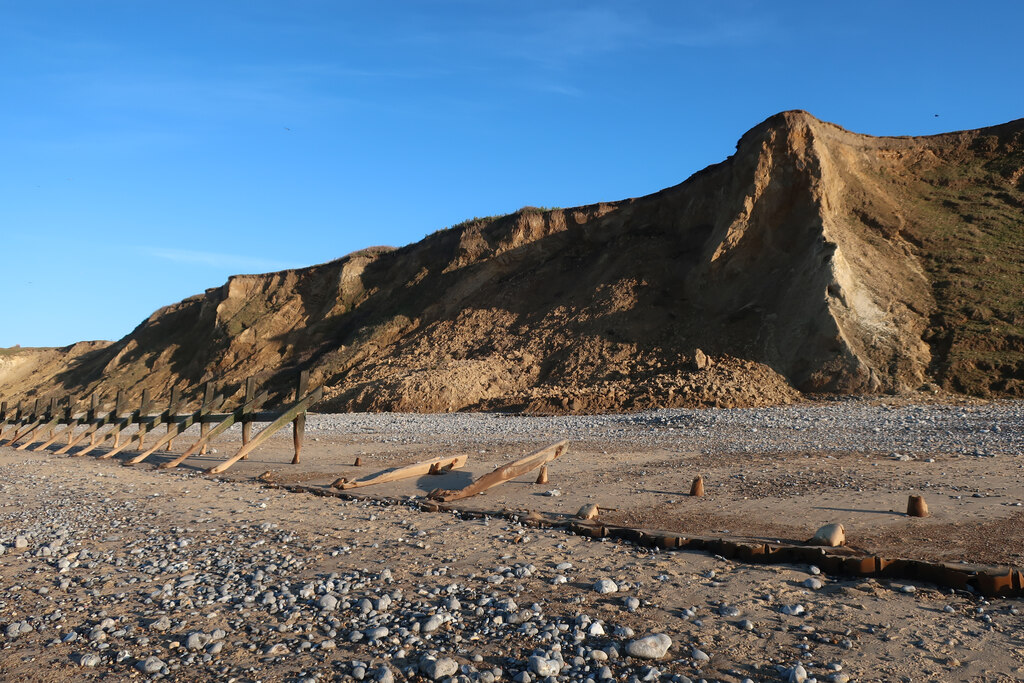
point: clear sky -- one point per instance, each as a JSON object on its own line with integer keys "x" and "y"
{"x": 149, "y": 149}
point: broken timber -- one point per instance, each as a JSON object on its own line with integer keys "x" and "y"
{"x": 503, "y": 473}
{"x": 419, "y": 469}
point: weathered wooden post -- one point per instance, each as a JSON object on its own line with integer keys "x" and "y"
{"x": 282, "y": 421}
{"x": 68, "y": 419}
{"x": 93, "y": 422}
{"x": 35, "y": 418}
{"x": 250, "y": 393}
{"x": 299, "y": 424}
{"x": 54, "y": 415}
{"x": 204, "y": 426}
{"x": 94, "y": 414}
{"x": 172, "y": 408}
{"x": 118, "y": 410}
{"x": 143, "y": 409}
{"x": 138, "y": 417}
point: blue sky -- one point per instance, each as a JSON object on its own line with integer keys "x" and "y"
{"x": 148, "y": 150}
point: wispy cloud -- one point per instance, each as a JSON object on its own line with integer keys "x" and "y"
{"x": 214, "y": 259}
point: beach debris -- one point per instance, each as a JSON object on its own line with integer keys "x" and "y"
{"x": 830, "y": 535}
{"x": 419, "y": 469}
{"x": 503, "y": 473}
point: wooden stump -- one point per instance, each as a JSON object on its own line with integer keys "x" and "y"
{"x": 697, "y": 487}
{"x": 916, "y": 507}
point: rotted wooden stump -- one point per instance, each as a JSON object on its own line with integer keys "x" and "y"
{"x": 916, "y": 507}
{"x": 697, "y": 487}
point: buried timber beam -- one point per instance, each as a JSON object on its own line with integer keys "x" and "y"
{"x": 229, "y": 420}
{"x": 503, "y": 473}
{"x": 287, "y": 416}
{"x": 435, "y": 466}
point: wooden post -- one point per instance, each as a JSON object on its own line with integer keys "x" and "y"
{"x": 250, "y": 392}
{"x": 93, "y": 416}
{"x": 229, "y": 420}
{"x": 143, "y": 409}
{"x": 118, "y": 409}
{"x": 176, "y": 429}
{"x": 33, "y": 421}
{"x": 204, "y": 427}
{"x": 13, "y": 422}
{"x": 310, "y": 399}
{"x": 93, "y": 422}
{"x": 52, "y": 419}
{"x": 136, "y": 417}
{"x": 54, "y": 414}
{"x": 172, "y": 408}
{"x": 299, "y": 424}
{"x": 71, "y": 421}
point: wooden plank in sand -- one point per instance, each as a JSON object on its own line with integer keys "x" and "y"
{"x": 503, "y": 473}
{"x": 419, "y": 469}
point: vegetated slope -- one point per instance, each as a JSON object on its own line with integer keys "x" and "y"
{"x": 813, "y": 258}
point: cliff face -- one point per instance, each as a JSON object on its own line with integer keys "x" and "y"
{"x": 813, "y": 258}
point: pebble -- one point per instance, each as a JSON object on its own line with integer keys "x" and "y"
{"x": 544, "y": 667}
{"x": 654, "y": 646}
{"x": 604, "y": 586}
{"x": 150, "y": 665}
{"x": 435, "y": 669}
{"x": 89, "y": 660}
